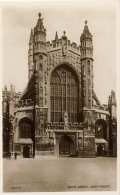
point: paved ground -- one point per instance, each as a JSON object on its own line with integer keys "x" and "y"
{"x": 60, "y": 174}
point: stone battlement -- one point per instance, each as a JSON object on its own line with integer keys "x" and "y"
{"x": 59, "y": 126}
{"x": 53, "y": 45}
{"x": 26, "y": 103}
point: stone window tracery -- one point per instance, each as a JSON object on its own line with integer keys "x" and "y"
{"x": 64, "y": 94}
{"x": 25, "y": 128}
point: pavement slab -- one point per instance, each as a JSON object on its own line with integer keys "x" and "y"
{"x": 60, "y": 174}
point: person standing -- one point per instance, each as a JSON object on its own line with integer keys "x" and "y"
{"x": 15, "y": 155}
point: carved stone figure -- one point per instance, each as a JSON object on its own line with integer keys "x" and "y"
{"x": 11, "y": 126}
{"x": 65, "y": 120}
{"x": 64, "y": 50}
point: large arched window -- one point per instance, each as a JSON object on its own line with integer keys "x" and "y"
{"x": 64, "y": 94}
{"x": 25, "y": 128}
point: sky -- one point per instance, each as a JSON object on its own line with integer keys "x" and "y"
{"x": 19, "y": 18}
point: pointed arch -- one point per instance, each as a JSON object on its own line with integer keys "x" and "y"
{"x": 64, "y": 93}
{"x": 25, "y": 128}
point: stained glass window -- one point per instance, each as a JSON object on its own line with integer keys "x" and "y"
{"x": 25, "y": 128}
{"x": 64, "y": 94}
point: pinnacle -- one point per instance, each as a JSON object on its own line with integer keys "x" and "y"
{"x": 56, "y": 36}
{"x": 39, "y": 15}
{"x": 86, "y": 22}
{"x": 31, "y": 36}
{"x": 64, "y": 32}
{"x": 5, "y": 88}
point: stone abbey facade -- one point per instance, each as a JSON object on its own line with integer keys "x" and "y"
{"x": 59, "y": 113}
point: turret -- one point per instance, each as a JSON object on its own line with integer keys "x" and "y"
{"x": 56, "y": 37}
{"x": 39, "y": 56}
{"x": 112, "y": 105}
{"x": 5, "y": 121}
{"x": 11, "y": 101}
{"x": 12, "y": 92}
{"x": 5, "y": 94}
{"x": 5, "y": 102}
{"x": 39, "y": 59}
{"x": 30, "y": 55}
{"x": 39, "y": 37}
{"x": 64, "y": 44}
{"x": 87, "y": 67}
{"x": 86, "y": 43}
{"x": 113, "y": 123}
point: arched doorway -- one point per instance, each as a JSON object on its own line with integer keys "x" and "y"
{"x": 66, "y": 146}
{"x": 64, "y": 94}
{"x": 100, "y": 150}
{"x": 26, "y": 152}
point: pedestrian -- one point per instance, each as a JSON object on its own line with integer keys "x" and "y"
{"x": 15, "y": 155}
{"x": 9, "y": 155}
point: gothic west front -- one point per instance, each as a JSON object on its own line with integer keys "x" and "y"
{"x": 59, "y": 113}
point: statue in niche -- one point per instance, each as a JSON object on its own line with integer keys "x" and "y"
{"x": 89, "y": 118}
{"x": 37, "y": 132}
{"x": 41, "y": 85}
{"x": 41, "y": 112}
{"x": 88, "y": 69}
{"x": 65, "y": 120}
{"x": 40, "y": 67}
{"x": 45, "y": 101}
{"x": 93, "y": 126}
{"x": 11, "y": 126}
{"x": 64, "y": 50}
{"x": 40, "y": 75}
{"x": 87, "y": 121}
{"x": 45, "y": 88}
{"x": 80, "y": 142}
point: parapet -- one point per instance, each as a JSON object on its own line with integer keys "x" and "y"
{"x": 26, "y": 103}
{"x": 55, "y": 45}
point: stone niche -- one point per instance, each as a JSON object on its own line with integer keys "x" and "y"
{"x": 89, "y": 122}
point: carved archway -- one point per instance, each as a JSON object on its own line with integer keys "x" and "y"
{"x": 66, "y": 146}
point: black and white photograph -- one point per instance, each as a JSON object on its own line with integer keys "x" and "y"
{"x": 59, "y": 96}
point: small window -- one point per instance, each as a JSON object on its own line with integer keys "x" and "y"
{"x": 88, "y": 62}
